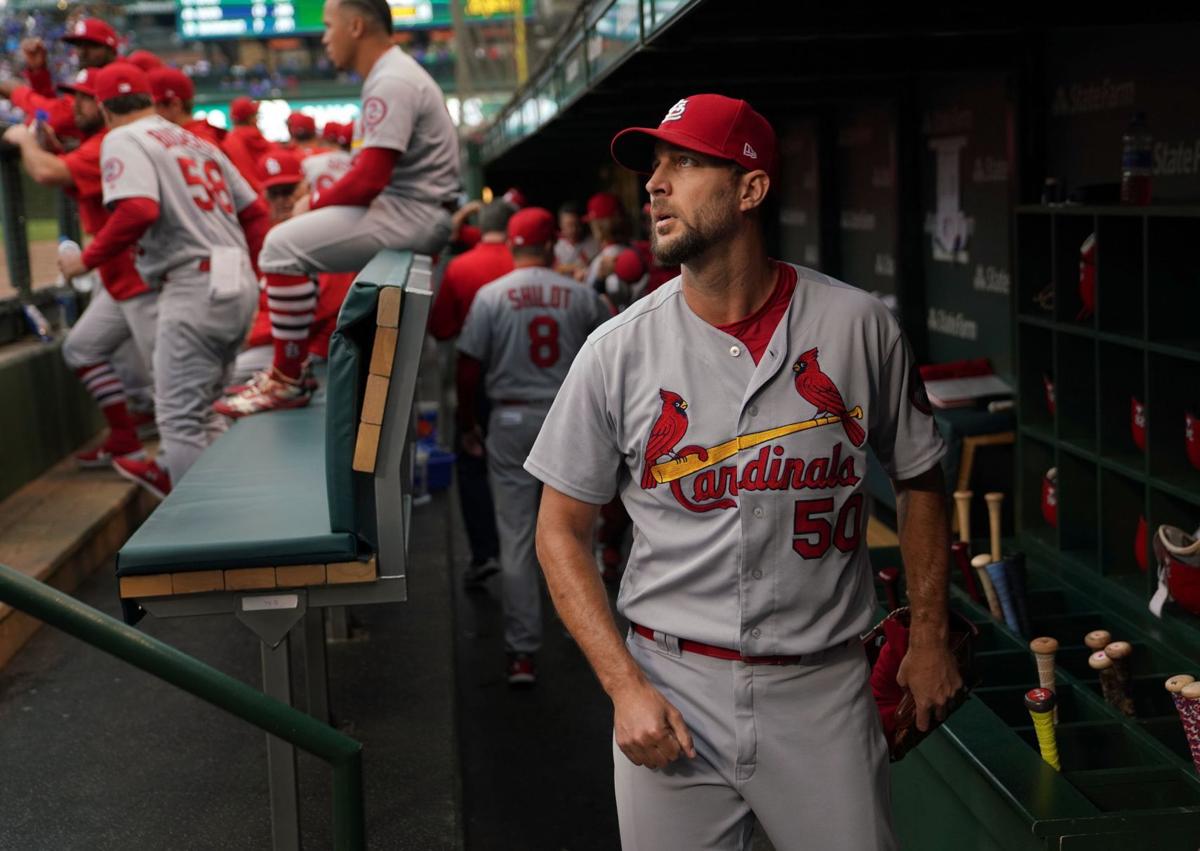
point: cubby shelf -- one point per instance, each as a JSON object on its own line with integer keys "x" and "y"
{"x": 1123, "y": 352}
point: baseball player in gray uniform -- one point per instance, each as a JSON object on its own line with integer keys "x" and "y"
{"x": 196, "y": 223}
{"x": 732, "y": 410}
{"x": 397, "y": 193}
{"x": 524, "y": 329}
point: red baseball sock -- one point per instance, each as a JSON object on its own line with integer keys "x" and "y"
{"x": 106, "y": 388}
{"x": 291, "y": 304}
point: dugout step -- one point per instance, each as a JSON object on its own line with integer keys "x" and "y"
{"x": 59, "y": 528}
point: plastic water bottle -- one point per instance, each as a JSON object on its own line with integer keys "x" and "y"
{"x": 37, "y": 322}
{"x": 70, "y": 249}
{"x": 1137, "y": 162}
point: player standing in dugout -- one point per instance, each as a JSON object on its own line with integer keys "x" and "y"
{"x": 741, "y": 690}
{"x": 398, "y": 194}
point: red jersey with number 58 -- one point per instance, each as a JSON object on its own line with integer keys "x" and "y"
{"x": 197, "y": 189}
{"x": 526, "y": 328}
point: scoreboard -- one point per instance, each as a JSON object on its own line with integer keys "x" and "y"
{"x": 231, "y": 19}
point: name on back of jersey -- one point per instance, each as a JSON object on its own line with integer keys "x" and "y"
{"x": 176, "y": 137}
{"x": 536, "y": 295}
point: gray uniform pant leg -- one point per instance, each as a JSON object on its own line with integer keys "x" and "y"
{"x": 799, "y": 747}
{"x": 343, "y": 239}
{"x": 512, "y": 431}
{"x": 117, "y": 332}
{"x": 198, "y": 340}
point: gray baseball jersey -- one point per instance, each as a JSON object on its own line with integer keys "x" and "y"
{"x": 325, "y": 169}
{"x": 404, "y": 110}
{"x": 527, "y": 327}
{"x": 567, "y": 253}
{"x": 199, "y": 192}
{"x": 745, "y": 481}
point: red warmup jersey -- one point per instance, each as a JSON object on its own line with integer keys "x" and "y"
{"x": 465, "y": 275}
{"x": 756, "y": 330}
{"x": 119, "y": 276}
{"x": 244, "y": 145}
{"x": 208, "y": 132}
{"x": 333, "y": 287}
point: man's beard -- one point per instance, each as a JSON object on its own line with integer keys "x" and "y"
{"x": 717, "y": 221}
{"x": 95, "y": 125}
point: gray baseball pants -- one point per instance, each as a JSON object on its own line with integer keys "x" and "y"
{"x": 118, "y": 332}
{"x": 798, "y": 746}
{"x": 512, "y": 430}
{"x": 343, "y": 239}
{"x": 198, "y": 341}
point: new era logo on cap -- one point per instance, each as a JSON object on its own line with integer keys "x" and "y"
{"x": 748, "y": 151}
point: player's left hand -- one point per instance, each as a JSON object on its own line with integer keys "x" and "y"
{"x": 472, "y": 441}
{"x": 72, "y": 266}
{"x": 303, "y": 205}
{"x": 16, "y": 134}
{"x": 34, "y": 51}
{"x": 932, "y": 677}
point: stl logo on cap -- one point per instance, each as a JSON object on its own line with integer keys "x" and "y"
{"x": 124, "y": 88}
{"x": 273, "y": 166}
{"x": 80, "y": 27}
{"x": 81, "y": 76}
{"x": 675, "y": 113}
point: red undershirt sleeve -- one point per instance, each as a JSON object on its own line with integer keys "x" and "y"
{"x": 130, "y": 218}
{"x": 368, "y": 175}
{"x": 41, "y": 81}
{"x": 255, "y": 222}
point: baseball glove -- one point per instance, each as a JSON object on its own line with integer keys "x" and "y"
{"x": 886, "y": 645}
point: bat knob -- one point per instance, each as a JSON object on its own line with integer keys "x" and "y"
{"x": 994, "y": 497}
{"x": 1191, "y": 691}
{"x": 1039, "y": 700}
{"x": 981, "y": 560}
{"x": 1099, "y": 661}
{"x": 1177, "y": 683}
{"x": 889, "y": 574}
{"x": 1118, "y": 650}
{"x": 1097, "y": 639}
{"x": 1044, "y": 645}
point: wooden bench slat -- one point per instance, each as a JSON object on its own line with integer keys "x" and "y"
{"x": 296, "y": 575}
{"x": 197, "y": 581}
{"x": 351, "y": 571}
{"x": 383, "y": 352}
{"x": 374, "y": 400}
{"x": 387, "y": 314}
{"x": 366, "y": 448}
{"x": 247, "y": 578}
{"x": 156, "y": 585}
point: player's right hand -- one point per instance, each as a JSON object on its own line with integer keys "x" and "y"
{"x": 34, "y": 51}
{"x": 472, "y": 441}
{"x": 649, "y": 730}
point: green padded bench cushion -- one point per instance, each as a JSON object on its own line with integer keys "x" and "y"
{"x": 256, "y": 497}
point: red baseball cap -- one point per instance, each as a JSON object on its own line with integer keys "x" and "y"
{"x": 515, "y": 197}
{"x": 120, "y": 78}
{"x": 629, "y": 266}
{"x": 602, "y": 205}
{"x": 715, "y": 125}
{"x": 91, "y": 31}
{"x": 278, "y": 167}
{"x": 243, "y": 109}
{"x": 298, "y": 122}
{"x": 532, "y": 226}
{"x": 145, "y": 60}
{"x": 334, "y": 132}
{"x": 168, "y": 83}
{"x": 83, "y": 83}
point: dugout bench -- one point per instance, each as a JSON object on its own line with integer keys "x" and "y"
{"x": 293, "y": 512}
{"x": 1127, "y": 784}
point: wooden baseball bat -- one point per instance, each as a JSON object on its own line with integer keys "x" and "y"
{"x": 1097, "y": 639}
{"x": 1110, "y": 686}
{"x": 1044, "y": 649}
{"x": 980, "y": 563}
{"x": 1041, "y": 703}
{"x": 961, "y": 553}
{"x": 994, "y": 500}
{"x": 997, "y": 572}
{"x": 1119, "y": 652}
{"x": 962, "y": 504}
{"x": 890, "y": 577}
{"x": 1186, "y": 693}
{"x": 677, "y": 468}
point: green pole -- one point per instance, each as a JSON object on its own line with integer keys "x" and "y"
{"x": 12, "y": 221}
{"x": 210, "y": 685}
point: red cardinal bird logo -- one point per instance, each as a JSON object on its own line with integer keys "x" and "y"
{"x": 816, "y": 388}
{"x": 668, "y": 430}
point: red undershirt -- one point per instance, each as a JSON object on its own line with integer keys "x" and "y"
{"x": 756, "y": 330}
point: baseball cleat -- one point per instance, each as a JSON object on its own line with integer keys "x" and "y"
{"x": 476, "y": 574}
{"x": 521, "y": 670}
{"x": 274, "y": 393}
{"x": 145, "y": 473}
{"x": 103, "y": 456}
{"x": 307, "y": 381}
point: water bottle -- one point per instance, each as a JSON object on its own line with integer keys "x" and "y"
{"x": 1137, "y": 162}
{"x": 85, "y": 283}
{"x": 37, "y": 322}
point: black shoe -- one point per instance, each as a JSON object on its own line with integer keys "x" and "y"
{"x": 477, "y": 574}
